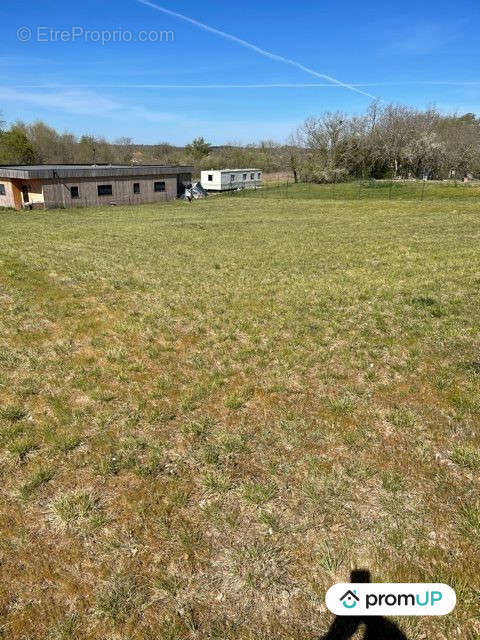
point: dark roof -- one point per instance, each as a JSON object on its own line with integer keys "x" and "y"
{"x": 88, "y": 170}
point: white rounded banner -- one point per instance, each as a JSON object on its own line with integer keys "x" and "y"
{"x": 390, "y": 599}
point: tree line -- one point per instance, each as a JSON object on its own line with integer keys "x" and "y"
{"x": 387, "y": 141}
{"x": 391, "y": 141}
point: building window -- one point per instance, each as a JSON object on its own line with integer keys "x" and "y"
{"x": 74, "y": 192}
{"x": 2, "y": 190}
{"x": 244, "y": 176}
{"x": 26, "y": 197}
{"x": 104, "y": 190}
{"x": 210, "y": 177}
{"x": 232, "y": 177}
{"x": 252, "y": 176}
{"x": 136, "y": 187}
{"x": 159, "y": 186}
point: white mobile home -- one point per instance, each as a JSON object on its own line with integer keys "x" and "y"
{"x": 226, "y": 179}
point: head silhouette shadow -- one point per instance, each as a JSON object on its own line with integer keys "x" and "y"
{"x": 376, "y": 627}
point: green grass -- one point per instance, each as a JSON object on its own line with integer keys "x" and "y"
{"x": 211, "y": 412}
{"x": 417, "y": 190}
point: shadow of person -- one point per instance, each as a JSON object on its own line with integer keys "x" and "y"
{"x": 376, "y": 627}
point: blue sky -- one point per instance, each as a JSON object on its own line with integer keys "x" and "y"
{"x": 200, "y": 82}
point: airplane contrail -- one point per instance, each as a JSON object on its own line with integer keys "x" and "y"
{"x": 253, "y": 47}
{"x": 271, "y": 85}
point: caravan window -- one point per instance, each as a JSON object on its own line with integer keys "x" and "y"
{"x": 210, "y": 177}
{"x": 232, "y": 177}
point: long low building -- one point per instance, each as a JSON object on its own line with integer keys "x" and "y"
{"x": 228, "y": 179}
{"x": 59, "y": 186}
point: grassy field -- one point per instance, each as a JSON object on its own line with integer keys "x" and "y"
{"x": 412, "y": 190}
{"x": 212, "y": 412}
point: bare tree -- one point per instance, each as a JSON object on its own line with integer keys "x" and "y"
{"x": 124, "y": 149}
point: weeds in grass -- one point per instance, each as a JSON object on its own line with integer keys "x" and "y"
{"x": 79, "y": 510}
{"x": 393, "y": 481}
{"x": 113, "y": 463}
{"x": 473, "y": 366}
{"x": 259, "y": 565}
{"x": 66, "y": 442}
{"x": 259, "y": 494}
{"x": 470, "y": 522}
{"x": 153, "y": 464}
{"x": 234, "y": 445}
{"x": 199, "y": 429}
{"x": 402, "y": 418}
{"x": 37, "y": 479}
{"x": 342, "y": 405}
{"x": 270, "y": 521}
{"x": 119, "y": 598}
{"x": 330, "y": 560}
{"x": 10, "y": 433}
{"x": 466, "y": 456}
{"x": 216, "y": 483}
{"x": 234, "y": 402}
{"x": 20, "y": 448}
{"x": 12, "y": 413}
{"x": 211, "y": 454}
{"x": 66, "y": 629}
{"x": 28, "y": 388}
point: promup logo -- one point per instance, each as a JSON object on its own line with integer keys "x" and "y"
{"x": 350, "y": 599}
{"x": 379, "y": 599}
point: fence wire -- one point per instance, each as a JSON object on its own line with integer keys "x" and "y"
{"x": 363, "y": 190}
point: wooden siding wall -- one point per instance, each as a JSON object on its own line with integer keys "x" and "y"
{"x": 57, "y": 193}
{"x": 35, "y": 192}
{"x": 8, "y": 200}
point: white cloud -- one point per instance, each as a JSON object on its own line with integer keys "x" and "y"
{"x": 20, "y": 61}
{"x": 180, "y": 129}
{"x": 82, "y": 103}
